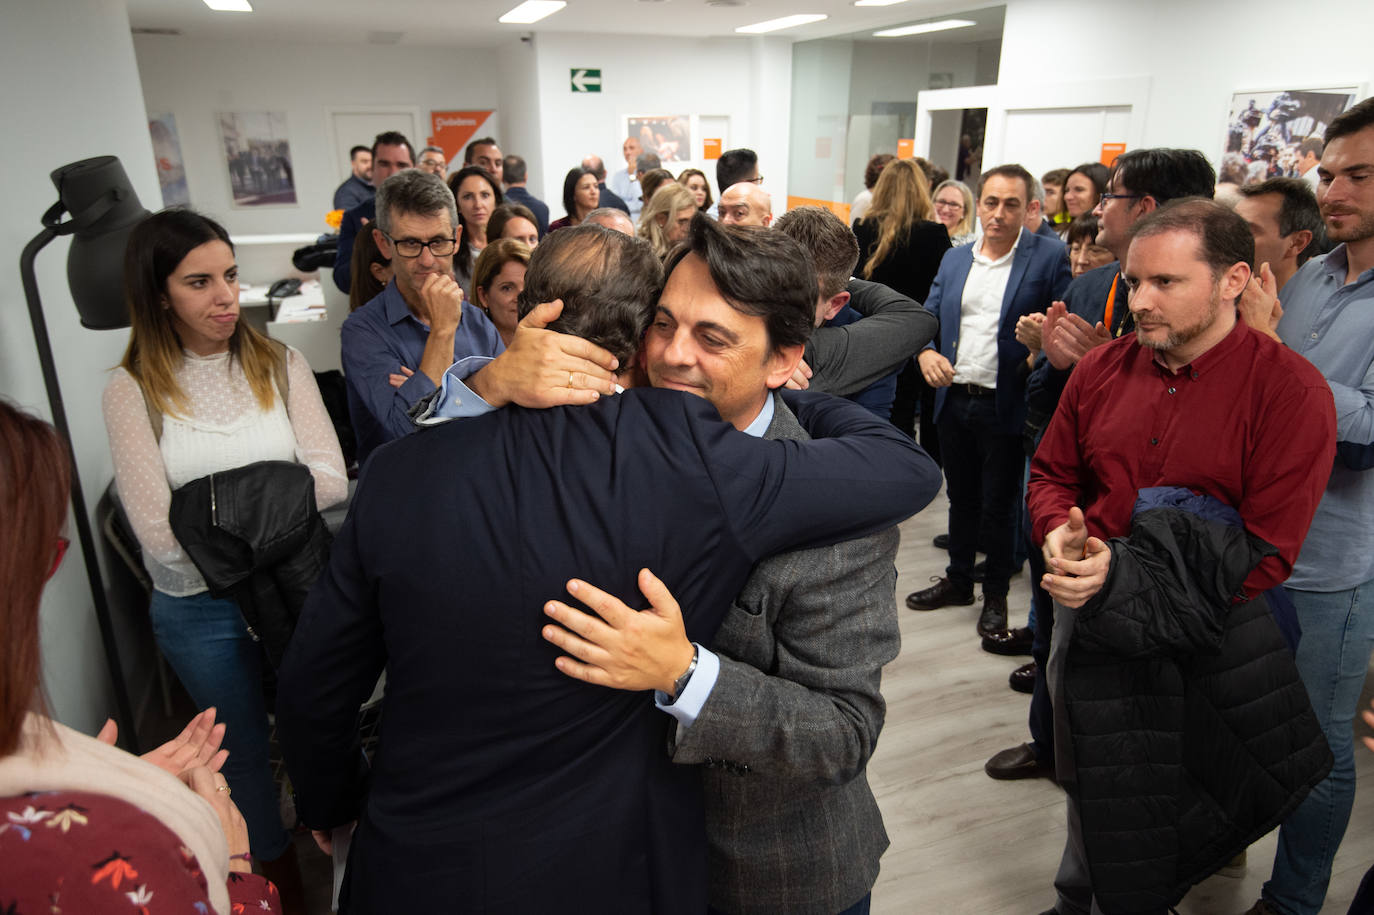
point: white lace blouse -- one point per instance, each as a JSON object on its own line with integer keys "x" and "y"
{"x": 224, "y": 428}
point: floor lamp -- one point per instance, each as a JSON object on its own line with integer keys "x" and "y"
{"x": 104, "y": 209}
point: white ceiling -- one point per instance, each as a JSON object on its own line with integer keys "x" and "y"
{"x": 472, "y": 23}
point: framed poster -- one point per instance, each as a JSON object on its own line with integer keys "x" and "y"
{"x": 171, "y": 170}
{"x": 668, "y": 136}
{"x": 1268, "y": 131}
{"x": 257, "y": 156}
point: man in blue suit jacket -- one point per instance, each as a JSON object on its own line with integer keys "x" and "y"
{"x": 979, "y": 374}
{"x": 499, "y": 784}
{"x": 391, "y": 152}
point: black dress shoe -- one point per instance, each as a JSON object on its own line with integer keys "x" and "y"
{"x": 943, "y": 593}
{"x": 941, "y": 541}
{"x": 994, "y": 615}
{"x": 1018, "y": 762}
{"x": 1009, "y": 641}
{"x": 1022, "y": 679}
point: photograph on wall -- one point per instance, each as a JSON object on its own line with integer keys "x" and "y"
{"x": 668, "y": 136}
{"x": 1270, "y": 134}
{"x": 171, "y": 169}
{"x": 257, "y": 154}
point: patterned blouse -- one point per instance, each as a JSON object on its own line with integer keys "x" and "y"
{"x": 69, "y": 852}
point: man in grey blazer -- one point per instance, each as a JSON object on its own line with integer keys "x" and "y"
{"x": 784, "y": 709}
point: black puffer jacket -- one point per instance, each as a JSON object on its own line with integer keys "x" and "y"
{"x": 1191, "y": 733}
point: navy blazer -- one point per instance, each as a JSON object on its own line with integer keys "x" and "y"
{"x": 348, "y": 234}
{"x": 499, "y": 783}
{"x": 519, "y": 194}
{"x": 1039, "y": 275}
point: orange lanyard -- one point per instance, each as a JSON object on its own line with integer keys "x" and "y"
{"x": 1111, "y": 301}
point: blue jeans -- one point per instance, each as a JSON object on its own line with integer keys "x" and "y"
{"x": 1333, "y": 657}
{"x": 208, "y": 645}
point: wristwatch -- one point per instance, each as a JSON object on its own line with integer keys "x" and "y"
{"x": 681, "y": 682}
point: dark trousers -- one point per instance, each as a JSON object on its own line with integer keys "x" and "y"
{"x": 1041, "y": 711}
{"x": 982, "y": 464}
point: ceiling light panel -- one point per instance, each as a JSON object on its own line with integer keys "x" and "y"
{"x": 924, "y": 27}
{"x": 532, "y": 11}
{"x": 229, "y": 6}
{"x": 878, "y": 2}
{"x": 786, "y": 22}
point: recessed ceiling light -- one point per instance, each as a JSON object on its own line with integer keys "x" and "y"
{"x": 229, "y": 6}
{"x": 878, "y": 2}
{"x": 786, "y": 22}
{"x": 533, "y": 11}
{"x": 922, "y": 28}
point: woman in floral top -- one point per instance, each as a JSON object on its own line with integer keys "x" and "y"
{"x": 84, "y": 826}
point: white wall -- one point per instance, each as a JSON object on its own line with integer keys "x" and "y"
{"x": 67, "y": 116}
{"x": 1194, "y": 55}
{"x": 195, "y": 79}
{"x": 744, "y": 79}
{"x": 520, "y": 97}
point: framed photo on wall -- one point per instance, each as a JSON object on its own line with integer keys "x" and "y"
{"x": 668, "y": 136}
{"x": 257, "y": 157}
{"x": 171, "y": 169}
{"x": 1270, "y": 132}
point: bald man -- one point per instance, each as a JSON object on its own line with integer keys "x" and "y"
{"x": 745, "y": 204}
{"x": 611, "y": 218}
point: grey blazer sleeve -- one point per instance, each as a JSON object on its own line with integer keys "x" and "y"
{"x": 802, "y": 652}
{"x": 850, "y": 358}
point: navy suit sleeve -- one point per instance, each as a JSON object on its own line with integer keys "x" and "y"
{"x": 343, "y": 255}
{"x": 330, "y": 668}
{"x": 859, "y": 475}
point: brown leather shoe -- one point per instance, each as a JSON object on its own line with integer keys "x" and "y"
{"x": 941, "y": 594}
{"x": 1009, "y": 641}
{"x": 1017, "y": 762}
{"x": 1022, "y": 679}
{"x": 994, "y": 615}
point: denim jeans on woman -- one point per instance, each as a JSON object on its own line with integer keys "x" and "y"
{"x": 207, "y": 643}
{"x": 1333, "y": 658}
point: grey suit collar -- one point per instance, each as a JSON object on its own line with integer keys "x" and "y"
{"x": 784, "y": 424}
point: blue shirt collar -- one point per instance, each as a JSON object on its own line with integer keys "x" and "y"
{"x": 396, "y": 308}
{"x": 765, "y": 418}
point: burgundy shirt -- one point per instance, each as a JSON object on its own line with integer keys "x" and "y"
{"x": 1248, "y": 422}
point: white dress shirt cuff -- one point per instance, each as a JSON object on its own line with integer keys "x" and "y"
{"x": 687, "y": 706}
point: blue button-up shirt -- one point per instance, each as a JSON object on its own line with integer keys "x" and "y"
{"x": 1331, "y": 323}
{"x": 377, "y": 340}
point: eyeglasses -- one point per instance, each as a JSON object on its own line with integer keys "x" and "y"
{"x": 1106, "y": 197}
{"x": 59, "y": 552}
{"x": 758, "y": 180}
{"x": 946, "y": 205}
{"x": 409, "y": 247}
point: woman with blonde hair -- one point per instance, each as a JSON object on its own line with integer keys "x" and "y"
{"x": 900, "y": 247}
{"x": 954, "y": 210}
{"x": 498, "y": 278}
{"x": 200, "y": 392}
{"x": 667, "y": 217}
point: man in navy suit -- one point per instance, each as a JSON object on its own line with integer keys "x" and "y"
{"x": 980, "y": 403}
{"x": 499, "y": 784}
{"x": 515, "y": 173}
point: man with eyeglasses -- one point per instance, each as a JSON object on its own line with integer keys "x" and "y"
{"x": 1092, "y": 312}
{"x": 397, "y": 347}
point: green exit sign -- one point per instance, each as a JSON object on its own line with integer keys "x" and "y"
{"x": 584, "y": 80}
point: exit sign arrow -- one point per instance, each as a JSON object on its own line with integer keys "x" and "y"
{"x": 586, "y": 80}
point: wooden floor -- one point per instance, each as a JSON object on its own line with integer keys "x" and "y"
{"x": 964, "y": 843}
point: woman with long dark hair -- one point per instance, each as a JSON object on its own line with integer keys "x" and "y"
{"x": 200, "y": 392}
{"x": 477, "y": 193}
{"x": 1083, "y": 188}
{"x": 581, "y": 195}
{"x": 127, "y": 832}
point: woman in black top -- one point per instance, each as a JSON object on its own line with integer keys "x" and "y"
{"x": 901, "y": 247}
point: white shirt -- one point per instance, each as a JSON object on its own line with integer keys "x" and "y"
{"x": 980, "y": 312}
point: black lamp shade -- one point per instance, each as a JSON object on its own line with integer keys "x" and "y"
{"x": 104, "y": 209}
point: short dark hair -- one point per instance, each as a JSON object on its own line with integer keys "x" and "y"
{"x": 1084, "y": 228}
{"x": 1165, "y": 174}
{"x": 1011, "y": 170}
{"x": 353, "y": 153}
{"x": 1313, "y": 145}
{"x": 471, "y": 149}
{"x": 392, "y": 138}
{"x": 503, "y": 214}
{"x": 1055, "y": 176}
{"x": 760, "y": 272}
{"x": 647, "y": 162}
{"x": 513, "y": 170}
{"x": 652, "y": 180}
{"x": 875, "y": 167}
{"x": 1351, "y": 121}
{"x": 609, "y": 283}
{"x": 833, "y": 248}
{"x": 1224, "y": 239}
{"x": 1298, "y": 210}
{"x": 734, "y": 165}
